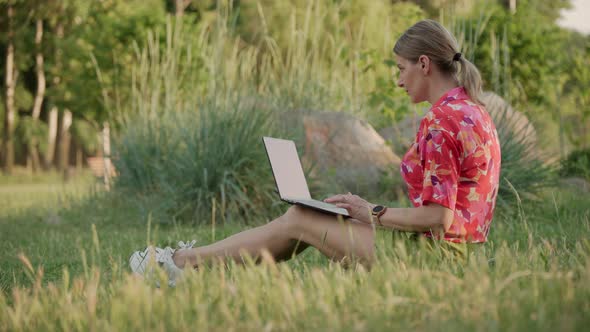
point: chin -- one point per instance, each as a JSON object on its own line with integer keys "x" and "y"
{"x": 417, "y": 99}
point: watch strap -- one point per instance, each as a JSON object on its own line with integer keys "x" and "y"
{"x": 379, "y": 214}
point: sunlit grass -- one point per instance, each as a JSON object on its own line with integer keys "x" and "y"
{"x": 73, "y": 275}
{"x": 48, "y": 191}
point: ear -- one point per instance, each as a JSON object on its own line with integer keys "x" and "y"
{"x": 424, "y": 62}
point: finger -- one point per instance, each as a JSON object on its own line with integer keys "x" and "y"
{"x": 333, "y": 199}
{"x": 330, "y": 199}
{"x": 348, "y": 207}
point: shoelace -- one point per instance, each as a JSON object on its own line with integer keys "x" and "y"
{"x": 186, "y": 245}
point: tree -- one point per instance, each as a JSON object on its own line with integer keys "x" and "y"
{"x": 578, "y": 90}
{"x": 11, "y": 75}
{"x": 38, "y": 12}
{"x": 531, "y": 49}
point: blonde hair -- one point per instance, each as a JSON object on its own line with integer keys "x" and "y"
{"x": 430, "y": 38}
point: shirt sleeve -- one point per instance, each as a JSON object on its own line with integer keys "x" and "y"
{"x": 439, "y": 155}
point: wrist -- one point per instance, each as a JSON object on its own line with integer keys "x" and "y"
{"x": 376, "y": 212}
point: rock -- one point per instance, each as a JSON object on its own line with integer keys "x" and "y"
{"x": 580, "y": 184}
{"x": 506, "y": 118}
{"x": 348, "y": 147}
{"x": 402, "y": 134}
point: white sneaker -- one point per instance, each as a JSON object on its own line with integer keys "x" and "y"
{"x": 140, "y": 262}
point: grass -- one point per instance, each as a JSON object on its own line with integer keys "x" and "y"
{"x": 64, "y": 268}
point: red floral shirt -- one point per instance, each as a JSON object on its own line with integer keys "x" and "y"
{"x": 455, "y": 162}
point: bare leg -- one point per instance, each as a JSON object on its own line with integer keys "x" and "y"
{"x": 289, "y": 235}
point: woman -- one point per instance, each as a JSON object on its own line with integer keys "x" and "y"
{"x": 452, "y": 172}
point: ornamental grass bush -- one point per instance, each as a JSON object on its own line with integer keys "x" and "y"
{"x": 577, "y": 163}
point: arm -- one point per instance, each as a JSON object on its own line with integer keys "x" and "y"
{"x": 432, "y": 217}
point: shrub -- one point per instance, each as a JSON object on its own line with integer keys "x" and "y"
{"x": 184, "y": 155}
{"x": 191, "y": 161}
{"x": 577, "y": 163}
{"x": 524, "y": 168}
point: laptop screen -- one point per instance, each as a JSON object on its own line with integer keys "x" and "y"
{"x": 286, "y": 168}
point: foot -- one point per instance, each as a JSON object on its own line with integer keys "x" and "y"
{"x": 139, "y": 262}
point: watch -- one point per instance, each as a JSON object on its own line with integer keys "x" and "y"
{"x": 377, "y": 212}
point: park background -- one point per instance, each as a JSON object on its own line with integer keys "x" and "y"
{"x": 183, "y": 90}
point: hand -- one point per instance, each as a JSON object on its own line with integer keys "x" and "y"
{"x": 357, "y": 207}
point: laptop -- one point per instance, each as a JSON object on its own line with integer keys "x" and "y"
{"x": 289, "y": 177}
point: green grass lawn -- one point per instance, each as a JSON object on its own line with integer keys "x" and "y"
{"x": 64, "y": 267}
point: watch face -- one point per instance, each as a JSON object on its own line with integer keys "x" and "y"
{"x": 378, "y": 208}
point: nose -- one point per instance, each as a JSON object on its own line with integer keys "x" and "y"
{"x": 400, "y": 83}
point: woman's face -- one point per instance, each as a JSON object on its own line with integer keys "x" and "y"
{"x": 412, "y": 79}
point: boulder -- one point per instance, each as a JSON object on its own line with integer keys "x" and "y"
{"x": 338, "y": 143}
{"x": 403, "y": 133}
{"x": 577, "y": 183}
{"x": 507, "y": 119}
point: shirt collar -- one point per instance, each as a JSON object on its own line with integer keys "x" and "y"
{"x": 457, "y": 93}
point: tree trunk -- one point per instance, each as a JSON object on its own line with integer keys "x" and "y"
{"x": 33, "y": 160}
{"x": 40, "y": 71}
{"x": 106, "y": 146}
{"x": 10, "y": 112}
{"x": 513, "y": 6}
{"x": 79, "y": 158}
{"x": 181, "y": 6}
{"x": 34, "y": 151}
{"x": 64, "y": 141}
{"x": 52, "y": 122}
{"x": 562, "y": 150}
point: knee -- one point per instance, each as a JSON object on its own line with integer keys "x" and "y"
{"x": 293, "y": 219}
{"x": 295, "y": 212}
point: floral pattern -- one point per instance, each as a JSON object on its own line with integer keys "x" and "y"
{"x": 455, "y": 162}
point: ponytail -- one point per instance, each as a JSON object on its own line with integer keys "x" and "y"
{"x": 470, "y": 78}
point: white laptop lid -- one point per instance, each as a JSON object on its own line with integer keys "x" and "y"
{"x": 286, "y": 168}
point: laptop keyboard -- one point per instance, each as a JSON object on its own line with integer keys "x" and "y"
{"x": 318, "y": 203}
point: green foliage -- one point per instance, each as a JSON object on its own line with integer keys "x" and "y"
{"x": 528, "y": 46}
{"x": 577, "y": 163}
{"x": 574, "y": 106}
{"x": 23, "y": 99}
{"x": 31, "y": 133}
{"x": 85, "y": 134}
{"x": 100, "y": 54}
{"x": 390, "y": 103}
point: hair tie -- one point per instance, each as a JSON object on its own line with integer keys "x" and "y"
{"x": 457, "y": 57}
